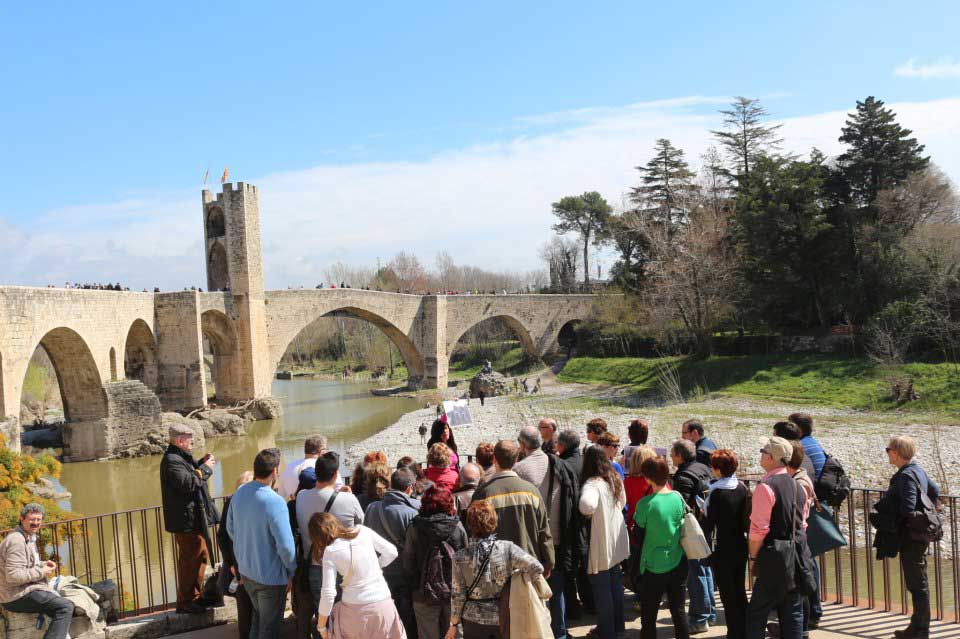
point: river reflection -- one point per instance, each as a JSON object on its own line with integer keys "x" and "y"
{"x": 344, "y": 413}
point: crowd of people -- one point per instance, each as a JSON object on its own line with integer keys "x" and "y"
{"x": 531, "y": 533}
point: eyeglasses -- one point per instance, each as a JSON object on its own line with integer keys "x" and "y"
{"x": 888, "y": 449}
{"x": 763, "y": 451}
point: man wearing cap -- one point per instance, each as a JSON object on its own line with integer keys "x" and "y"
{"x": 778, "y": 514}
{"x": 187, "y": 513}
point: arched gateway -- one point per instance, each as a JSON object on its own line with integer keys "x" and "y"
{"x": 153, "y": 344}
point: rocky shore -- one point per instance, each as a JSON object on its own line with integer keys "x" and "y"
{"x": 856, "y": 438}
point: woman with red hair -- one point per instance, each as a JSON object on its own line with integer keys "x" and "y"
{"x": 433, "y": 536}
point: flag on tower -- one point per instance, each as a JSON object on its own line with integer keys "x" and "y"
{"x": 226, "y": 172}
{"x": 206, "y": 174}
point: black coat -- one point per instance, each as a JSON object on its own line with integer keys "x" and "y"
{"x": 568, "y": 546}
{"x": 183, "y": 485}
{"x": 691, "y": 481}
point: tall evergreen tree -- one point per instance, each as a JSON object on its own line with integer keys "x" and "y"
{"x": 666, "y": 183}
{"x": 787, "y": 245}
{"x": 744, "y": 137}
{"x": 880, "y": 154}
{"x": 587, "y": 215}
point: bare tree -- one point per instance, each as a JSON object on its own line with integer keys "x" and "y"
{"x": 561, "y": 254}
{"x": 691, "y": 276}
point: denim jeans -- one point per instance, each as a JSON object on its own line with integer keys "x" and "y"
{"x": 789, "y": 609}
{"x": 700, "y": 591}
{"x": 816, "y": 608}
{"x": 268, "y": 604}
{"x": 558, "y": 608}
{"x": 59, "y": 610}
{"x": 607, "y": 586}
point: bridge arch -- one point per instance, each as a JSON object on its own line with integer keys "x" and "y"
{"x": 140, "y": 355}
{"x": 411, "y": 355}
{"x": 511, "y": 322}
{"x": 81, "y": 388}
{"x": 220, "y": 335}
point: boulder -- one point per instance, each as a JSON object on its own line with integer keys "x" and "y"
{"x": 43, "y": 487}
{"x": 221, "y": 423}
{"x": 492, "y": 384}
{"x": 264, "y": 408}
{"x": 199, "y": 438}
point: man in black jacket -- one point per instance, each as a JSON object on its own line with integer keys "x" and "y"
{"x": 568, "y": 453}
{"x": 904, "y": 494}
{"x": 691, "y": 481}
{"x": 187, "y": 513}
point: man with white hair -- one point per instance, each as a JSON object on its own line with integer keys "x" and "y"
{"x": 778, "y": 514}
{"x": 23, "y": 576}
{"x": 470, "y": 476}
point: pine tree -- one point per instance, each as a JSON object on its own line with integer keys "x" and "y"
{"x": 666, "y": 184}
{"x": 744, "y": 137}
{"x": 881, "y": 154}
{"x": 586, "y": 214}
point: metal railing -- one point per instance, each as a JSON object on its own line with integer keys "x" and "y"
{"x": 132, "y": 548}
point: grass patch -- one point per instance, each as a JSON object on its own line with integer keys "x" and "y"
{"x": 822, "y": 379}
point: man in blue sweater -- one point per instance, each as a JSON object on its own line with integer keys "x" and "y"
{"x": 259, "y": 525}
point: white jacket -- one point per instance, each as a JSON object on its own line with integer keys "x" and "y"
{"x": 609, "y": 543}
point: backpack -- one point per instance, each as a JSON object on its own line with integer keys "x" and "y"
{"x": 925, "y": 523}
{"x": 833, "y": 485}
{"x": 437, "y": 578}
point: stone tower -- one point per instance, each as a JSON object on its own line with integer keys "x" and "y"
{"x": 234, "y": 264}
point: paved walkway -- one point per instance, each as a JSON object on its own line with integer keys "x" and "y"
{"x": 839, "y": 622}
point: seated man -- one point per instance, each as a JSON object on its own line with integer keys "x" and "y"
{"x": 23, "y": 577}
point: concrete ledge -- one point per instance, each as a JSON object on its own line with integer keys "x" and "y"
{"x": 166, "y": 623}
{"x": 23, "y": 625}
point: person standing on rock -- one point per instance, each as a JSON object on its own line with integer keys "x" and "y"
{"x": 188, "y": 512}
{"x": 23, "y": 576}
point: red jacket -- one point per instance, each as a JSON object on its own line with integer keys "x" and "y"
{"x": 442, "y": 477}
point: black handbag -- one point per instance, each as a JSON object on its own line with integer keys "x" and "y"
{"x": 925, "y": 523}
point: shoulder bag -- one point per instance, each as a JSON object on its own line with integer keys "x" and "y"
{"x": 692, "y": 539}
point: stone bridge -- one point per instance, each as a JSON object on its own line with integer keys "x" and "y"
{"x": 121, "y": 356}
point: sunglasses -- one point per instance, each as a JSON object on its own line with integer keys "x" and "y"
{"x": 888, "y": 449}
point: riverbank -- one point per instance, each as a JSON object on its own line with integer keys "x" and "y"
{"x": 857, "y": 438}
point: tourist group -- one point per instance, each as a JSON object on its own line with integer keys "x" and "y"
{"x": 527, "y": 538}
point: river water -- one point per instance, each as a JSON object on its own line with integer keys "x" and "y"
{"x": 344, "y": 412}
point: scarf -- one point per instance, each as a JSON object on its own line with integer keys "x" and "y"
{"x": 724, "y": 483}
{"x": 484, "y": 547}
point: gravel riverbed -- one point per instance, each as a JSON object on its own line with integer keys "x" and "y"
{"x": 856, "y": 438}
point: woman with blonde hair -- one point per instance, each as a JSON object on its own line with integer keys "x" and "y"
{"x": 635, "y": 484}
{"x": 439, "y": 469}
{"x": 366, "y": 608}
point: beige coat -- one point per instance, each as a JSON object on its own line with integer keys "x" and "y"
{"x": 609, "y": 544}
{"x": 18, "y": 573}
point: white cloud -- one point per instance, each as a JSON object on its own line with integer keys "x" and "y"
{"x": 945, "y": 67}
{"x": 488, "y": 204}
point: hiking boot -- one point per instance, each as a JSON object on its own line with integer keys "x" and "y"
{"x": 911, "y": 633}
{"x": 813, "y": 623}
{"x": 699, "y": 628}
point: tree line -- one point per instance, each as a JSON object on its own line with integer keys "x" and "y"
{"x": 759, "y": 240}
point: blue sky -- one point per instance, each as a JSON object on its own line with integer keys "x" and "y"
{"x": 113, "y": 111}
